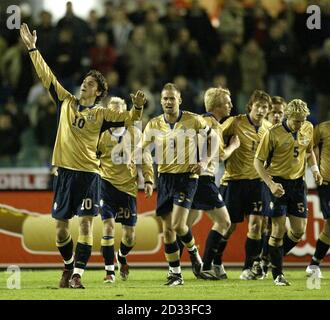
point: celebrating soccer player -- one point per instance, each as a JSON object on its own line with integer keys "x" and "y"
{"x": 76, "y": 187}
{"x": 280, "y": 161}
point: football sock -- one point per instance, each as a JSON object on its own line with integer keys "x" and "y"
{"x": 65, "y": 248}
{"x": 211, "y": 248}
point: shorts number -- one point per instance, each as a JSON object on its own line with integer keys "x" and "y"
{"x": 87, "y": 204}
{"x": 301, "y": 207}
{"x": 123, "y": 213}
{"x": 257, "y": 206}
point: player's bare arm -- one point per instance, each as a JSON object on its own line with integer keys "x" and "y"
{"x": 311, "y": 159}
{"x": 276, "y": 188}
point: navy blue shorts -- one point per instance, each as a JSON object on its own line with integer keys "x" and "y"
{"x": 293, "y": 202}
{"x": 174, "y": 188}
{"x": 207, "y": 196}
{"x": 117, "y": 204}
{"x": 324, "y": 194}
{"x": 75, "y": 193}
{"x": 243, "y": 197}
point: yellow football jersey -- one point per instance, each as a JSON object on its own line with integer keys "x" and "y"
{"x": 322, "y": 140}
{"x": 214, "y": 124}
{"x": 239, "y": 165}
{"x": 79, "y": 128}
{"x": 175, "y": 144}
{"x": 116, "y": 148}
{"x": 284, "y": 151}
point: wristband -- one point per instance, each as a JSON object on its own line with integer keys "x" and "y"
{"x": 315, "y": 168}
{"x": 33, "y": 49}
{"x": 148, "y": 182}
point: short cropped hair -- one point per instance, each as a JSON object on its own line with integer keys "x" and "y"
{"x": 119, "y": 101}
{"x": 296, "y": 107}
{"x": 102, "y": 85}
{"x": 171, "y": 86}
{"x": 257, "y": 96}
{"x": 213, "y": 97}
{"x": 278, "y": 100}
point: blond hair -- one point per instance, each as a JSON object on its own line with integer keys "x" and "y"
{"x": 296, "y": 107}
{"x": 213, "y": 97}
{"x": 119, "y": 102}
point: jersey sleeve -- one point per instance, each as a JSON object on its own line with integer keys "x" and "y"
{"x": 120, "y": 119}
{"x": 316, "y": 136}
{"x": 228, "y": 127}
{"x": 265, "y": 147}
{"x": 147, "y": 161}
{"x": 48, "y": 79}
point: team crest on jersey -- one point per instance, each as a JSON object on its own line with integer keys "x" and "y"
{"x": 304, "y": 141}
{"x": 91, "y": 116}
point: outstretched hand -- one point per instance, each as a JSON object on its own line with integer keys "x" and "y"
{"x": 28, "y": 38}
{"x": 139, "y": 99}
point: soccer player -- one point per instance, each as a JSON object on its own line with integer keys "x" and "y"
{"x": 118, "y": 191}
{"x": 322, "y": 153}
{"x": 241, "y": 186}
{"x": 76, "y": 188}
{"x": 280, "y": 161}
{"x": 173, "y": 135}
{"x": 260, "y": 266}
{"x": 207, "y": 197}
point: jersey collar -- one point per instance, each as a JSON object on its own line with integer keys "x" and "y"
{"x": 286, "y": 127}
{"x": 82, "y": 108}
{"x": 250, "y": 120}
{"x": 173, "y": 124}
{"x": 209, "y": 114}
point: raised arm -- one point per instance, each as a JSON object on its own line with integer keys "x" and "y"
{"x": 45, "y": 74}
{"x": 116, "y": 118}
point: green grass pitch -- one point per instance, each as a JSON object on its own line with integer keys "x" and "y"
{"x": 147, "y": 284}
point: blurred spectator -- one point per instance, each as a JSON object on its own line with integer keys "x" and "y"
{"x": 67, "y": 59}
{"x": 46, "y": 36}
{"x": 17, "y": 71}
{"x": 105, "y": 22}
{"x": 93, "y": 25}
{"x": 137, "y": 16}
{"x": 231, "y": 18}
{"x": 227, "y": 63}
{"x": 156, "y": 33}
{"x": 188, "y": 94}
{"x": 253, "y": 70}
{"x": 256, "y": 24}
{"x": 190, "y": 62}
{"x": 116, "y": 89}
{"x": 12, "y": 124}
{"x": 200, "y": 27}
{"x": 102, "y": 55}
{"x": 141, "y": 57}
{"x": 172, "y": 21}
{"x": 46, "y": 127}
{"x": 78, "y": 26}
{"x": 121, "y": 30}
{"x": 280, "y": 53}
{"x": 321, "y": 77}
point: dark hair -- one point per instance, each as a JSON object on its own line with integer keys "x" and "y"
{"x": 102, "y": 85}
{"x": 259, "y": 95}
